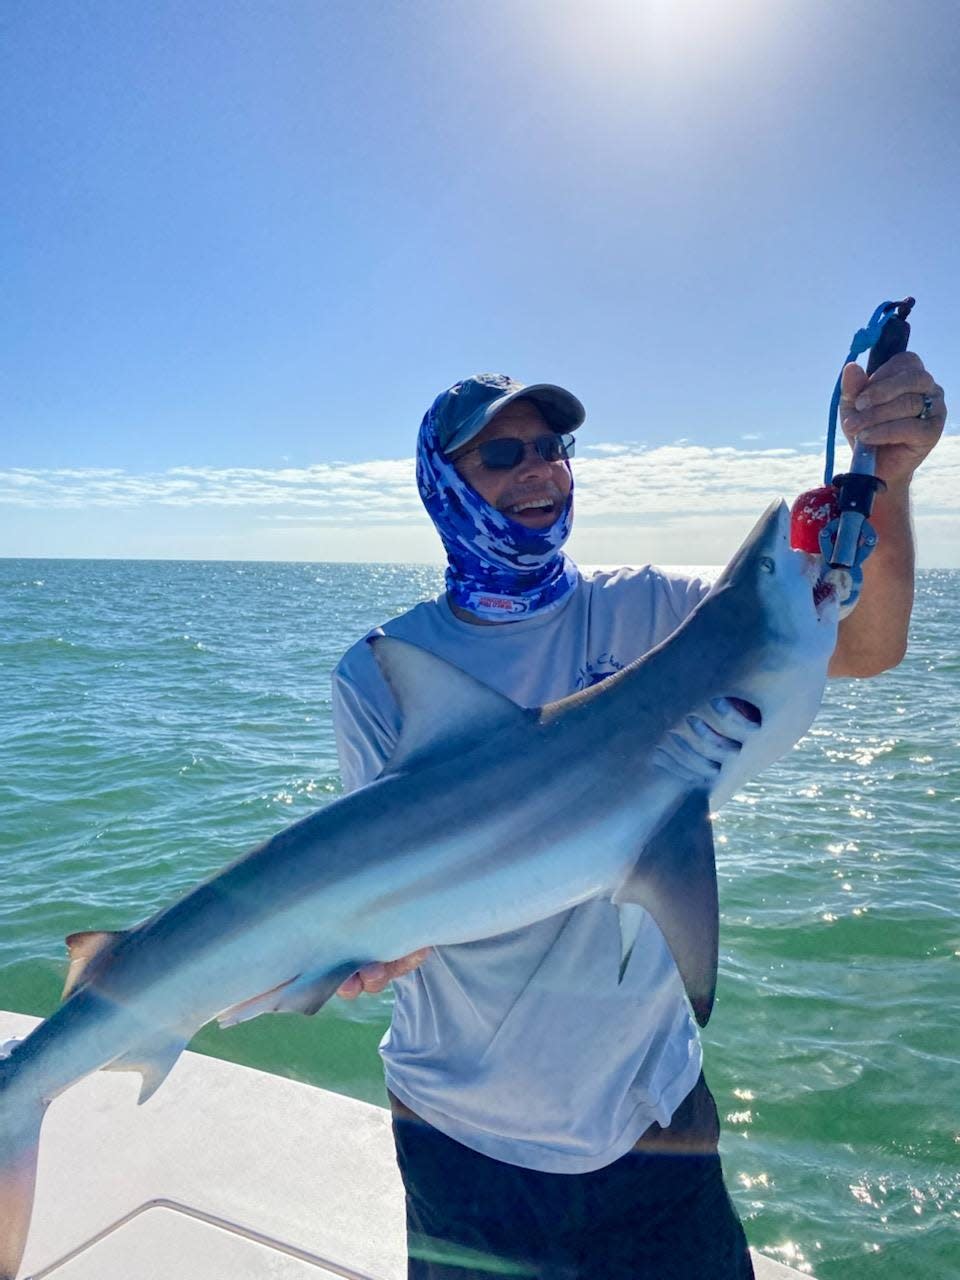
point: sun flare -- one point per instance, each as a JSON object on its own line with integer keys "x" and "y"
{"x": 663, "y": 40}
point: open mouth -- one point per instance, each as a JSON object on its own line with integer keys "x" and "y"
{"x": 531, "y": 506}
{"x": 823, "y": 590}
{"x": 822, "y": 580}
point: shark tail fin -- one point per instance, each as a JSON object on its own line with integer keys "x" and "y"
{"x": 20, "y": 1120}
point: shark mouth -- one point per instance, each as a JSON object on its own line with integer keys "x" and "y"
{"x": 822, "y": 580}
{"x": 822, "y": 591}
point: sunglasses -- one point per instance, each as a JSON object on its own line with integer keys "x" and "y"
{"x": 508, "y": 452}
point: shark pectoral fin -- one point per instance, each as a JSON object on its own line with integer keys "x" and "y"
{"x": 675, "y": 879}
{"x": 306, "y": 993}
{"x": 83, "y": 948}
{"x": 154, "y": 1060}
{"x": 630, "y": 916}
{"x": 265, "y": 1002}
{"x": 442, "y": 707}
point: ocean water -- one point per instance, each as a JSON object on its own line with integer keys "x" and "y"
{"x": 160, "y": 717}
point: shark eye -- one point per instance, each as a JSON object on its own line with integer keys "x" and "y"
{"x": 767, "y": 565}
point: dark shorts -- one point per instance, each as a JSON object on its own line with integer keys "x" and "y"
{"x": 661, "y": 1212}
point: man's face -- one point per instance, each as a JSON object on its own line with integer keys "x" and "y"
{"x": 534, "y": 492}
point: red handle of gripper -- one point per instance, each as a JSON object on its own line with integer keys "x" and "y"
{"x": 812, "y": 512}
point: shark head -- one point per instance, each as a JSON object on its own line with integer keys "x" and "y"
{"x": 765, "y": 598}
{"x": 766, "y": 574}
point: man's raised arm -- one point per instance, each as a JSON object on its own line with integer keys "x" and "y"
{"x": 883, "y": 410}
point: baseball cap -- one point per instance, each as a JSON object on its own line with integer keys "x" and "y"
{"x": 464, "y": 409}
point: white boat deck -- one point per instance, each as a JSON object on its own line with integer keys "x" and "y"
{"x": 227, "y": 1173}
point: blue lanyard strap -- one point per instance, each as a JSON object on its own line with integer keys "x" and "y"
{"x": 863, "y": 340}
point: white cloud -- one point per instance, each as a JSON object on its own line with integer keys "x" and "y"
{"x": 342, "y": 488}
{"x": 608, "y": 449}
{"x": 690, "y": 501}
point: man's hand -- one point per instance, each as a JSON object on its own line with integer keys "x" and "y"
{"x": 695, "y": 751}
{"x": 882, "y": 411}
{"x": 374, "y": 977}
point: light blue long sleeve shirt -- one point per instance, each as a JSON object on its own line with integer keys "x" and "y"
{"x": 526, "y": 1046}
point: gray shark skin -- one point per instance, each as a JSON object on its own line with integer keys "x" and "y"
{"x": 488, "y": 818}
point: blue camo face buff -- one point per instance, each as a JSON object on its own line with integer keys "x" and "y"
{"x": 496, "y": 567}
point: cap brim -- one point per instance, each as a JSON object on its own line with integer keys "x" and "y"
{"x": 563, "y": 411}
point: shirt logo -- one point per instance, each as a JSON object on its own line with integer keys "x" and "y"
{"x": 502, "y": 602}
{"x": 593, "y": 672}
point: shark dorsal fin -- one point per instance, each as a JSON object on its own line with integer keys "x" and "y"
{"x": 83, "y": 948}
{"x": 442, "y": 708}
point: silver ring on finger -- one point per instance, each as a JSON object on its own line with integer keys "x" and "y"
{"x": 926, "y": 411}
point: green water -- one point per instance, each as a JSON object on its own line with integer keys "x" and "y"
{"x": 160, "y": 717}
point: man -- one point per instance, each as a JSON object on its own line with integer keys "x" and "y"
{"x": 549, "y": 1120}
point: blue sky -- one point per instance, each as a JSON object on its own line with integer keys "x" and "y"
{"x": 246, "y": 243}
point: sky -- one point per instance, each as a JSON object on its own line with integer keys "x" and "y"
{"x": 246, "y": 243}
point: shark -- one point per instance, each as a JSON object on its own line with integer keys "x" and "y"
{"x": 487, "y": 818}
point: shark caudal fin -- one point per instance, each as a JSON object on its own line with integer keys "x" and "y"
{"x": 20, "y": 1120}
